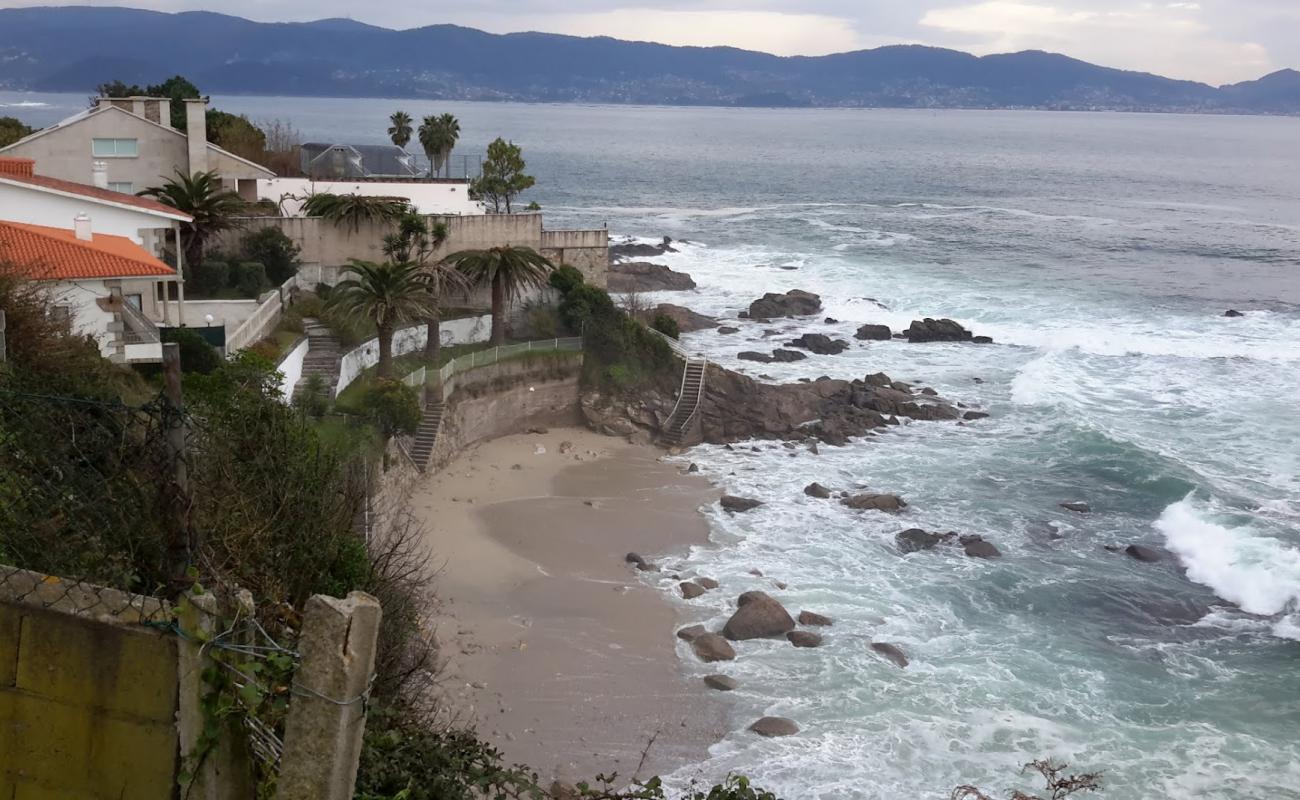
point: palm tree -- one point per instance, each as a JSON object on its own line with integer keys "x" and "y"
{"x": 508, "y": 270}
{"x": 400, "y": 130}
{"x": 354, "y": 209}
{"x": 200, "y": 195}
{"x": 389, "y": 295}
{"x": 415, "y": 242}
{"x": 438, "y": 137}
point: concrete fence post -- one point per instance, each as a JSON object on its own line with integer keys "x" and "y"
{"x": 327, "y": 714}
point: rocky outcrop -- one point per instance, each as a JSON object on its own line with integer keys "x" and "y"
{"x": 686, "y": 319}
{"x": 814, "y": 620}
{"x": 820, "y": 343}
{"x": 774, "y": 726}
{"x": 643, "y": 276}
{"x": 778, "y": 356}
{"x": 875, "y": 502}
{"x": 914, "y": 540}
{"x": 941, "y": 330}
{"x": 1232, "y": 312}
{"x": 711, "y": 647}
{"x": 976, "y": 547}
{"x": 739, "y": 505}
{"x": 794, "y": 303}
{"x": 625, "y": 250}
{"x": 758, "y": 616}
{"x": 874, "y": 333}
{"x": 892, "y": 652}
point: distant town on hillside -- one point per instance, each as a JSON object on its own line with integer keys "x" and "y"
{"x": 73, "y": 48}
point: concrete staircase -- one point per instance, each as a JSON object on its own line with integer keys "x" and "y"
{"x": 678, "y": 426}
{"x": 323, "y": 356}
{"x": 426, "y": 436}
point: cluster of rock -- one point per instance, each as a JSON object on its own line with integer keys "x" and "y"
{"x": 942, "y": 330}
{"x": 644, "y": 276}
{"x": 794, "y": 303}
{"x": 626, "y": 250}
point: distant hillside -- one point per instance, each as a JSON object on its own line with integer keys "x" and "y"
{"x": 75, "y": 48}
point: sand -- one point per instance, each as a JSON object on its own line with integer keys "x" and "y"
{"x": 562, "y": 654}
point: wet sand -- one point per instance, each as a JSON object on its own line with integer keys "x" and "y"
{"x": 556, "y": 648}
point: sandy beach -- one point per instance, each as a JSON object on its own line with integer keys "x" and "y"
{"x": 560, "y": 652}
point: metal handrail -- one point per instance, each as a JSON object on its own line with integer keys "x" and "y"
{"x": 484, "y": 358}
{"x": 139, "y": 328}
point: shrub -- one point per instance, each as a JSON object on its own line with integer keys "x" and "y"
{"x": 249, "y": 278}
{"x": 667, "y": 326}
{"x": 209, "y": 278}
{"x": 566, "y": 278}
{"x": 265, "y": 349}
{"x": 542, "y": 321}
{"x": 313, "y": 399}
{"x": 271, "y": 248}
{"x": 394, "y": 407}
{"x": 196, "y": 354}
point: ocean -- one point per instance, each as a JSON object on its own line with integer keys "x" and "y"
{"x": 1101, "y": 252}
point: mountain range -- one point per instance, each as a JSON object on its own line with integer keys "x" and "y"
{"x": 73, "y": 48}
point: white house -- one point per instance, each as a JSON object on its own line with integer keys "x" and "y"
{"x": 91, "y": 278}
{"x": 32, "y": 199}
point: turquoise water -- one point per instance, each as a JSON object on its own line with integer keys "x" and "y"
{"x": 1100, "y": 250}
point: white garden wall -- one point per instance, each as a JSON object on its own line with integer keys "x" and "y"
{"x": 409, "y": 340}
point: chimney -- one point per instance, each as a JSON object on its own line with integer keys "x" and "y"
{"x": 99, "y": 173}
{"x": 81, "y": 226}
{"x": 17, "y": 167}
{"x": 164, "y": 112}
{"x": 196, "y": 130}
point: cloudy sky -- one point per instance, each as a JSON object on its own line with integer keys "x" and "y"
{"x": 1217, "y": 41}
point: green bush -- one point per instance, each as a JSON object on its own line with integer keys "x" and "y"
{"x": 667, "y": 326}
{"x": 313, "y": 399}
{"x": 566, "y": 279}
{"x": 274, "y": 251}
{"x": 209, "y": 278}
{"x": 542, "y": 321}
{"x": 394, "y": 407}
{"x": 249, "y": 278}
{"x": 197, "y": 355}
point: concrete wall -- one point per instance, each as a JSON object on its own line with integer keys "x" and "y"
{"x": 425, "y": 197}
{"x": 290, "y": 367}
{"x": 230, "y": 313}
{"x": 410, "y": 340}
{"x": 507, "y": 398}
{"x": 87, "y": 695}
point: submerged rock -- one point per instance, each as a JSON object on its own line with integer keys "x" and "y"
{"x": 707, "y": 583}
{"x": 1143, "y": 553}
{"x": 971, "y": 416}
{"x": 804, "y": 639}
{"x": 914, "y": 540}
{"x": 727, "y": 330}
{"x": 711, "y": 647}
{"x": 891, "y": 652}
{"x": 720, "y": 682}
{"x": 817, "y": 490}
{"x": 759, "y": 616}
{"x": 875, "y": 502}
{"x": 815, "y": 620}
{"x": 794, "y": 303}
{"x": 634, "y": 558}
{"x": 1077, "y": 507}
{"x": 1232, "y": 312}
{"x": 774, "y": 726}
{"x": 737, "y": 505}
{"x": 976, "y": 547}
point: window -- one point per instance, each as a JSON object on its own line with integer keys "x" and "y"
{"x": 114, "y": 148}
{"x": 135, "y": 301}
{"x": 125, "y": 187}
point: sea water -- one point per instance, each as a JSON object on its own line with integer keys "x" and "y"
{"x": 1100, "y": 251}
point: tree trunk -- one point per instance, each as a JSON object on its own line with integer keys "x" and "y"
{"x": 498, "y": 311}
{"x": 385, "y": 368}
{"x": 433, "y": 347}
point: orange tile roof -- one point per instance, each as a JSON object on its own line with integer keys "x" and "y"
{"x": 94, "y": 192}
{"x": 56, "y": 254}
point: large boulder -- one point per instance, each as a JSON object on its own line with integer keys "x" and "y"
{"x": 643, "y": 276}
{"x": 739, "y": 505}
{"x": 976, "y": 547}
{"x": 686, "y": 319}
{"x": 914, "y": 540}
{"x": 820, "y": 343}
{"x": 711, "y": 647}
{"x": 875, "y": 502}
{"x": 759, "y": 616}
{"x": 754, "y": 355}
{"x": 873, "y": 333}
{"x": 691, "y": 633}
{"x": 722, "y": 683}
{"x": 794, "y": 303}
{"x": 691, "y": 590}
{"x": 892, "y": 652}
{"x": 817, "y": 490}
{"x": 938, "y": 330}
{"x": 804, "y": 638}
{"x": 812, "y": 619}
{"x": 774, "y": 726}
{"x": 782, "y": 356}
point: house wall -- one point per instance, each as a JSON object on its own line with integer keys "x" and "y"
{"x": 88, "y": 319}
{"x": 427, "y": 198}
{"x": 33, "y": 207}
{"x": 88, "y": 697}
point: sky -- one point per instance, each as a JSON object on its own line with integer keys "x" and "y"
{"x": 1215, "y": 41}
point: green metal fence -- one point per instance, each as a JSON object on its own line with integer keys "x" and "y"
{"x": 445, "y": 377}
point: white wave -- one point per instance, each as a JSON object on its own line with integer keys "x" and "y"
{"x": 1256, "y": 572}
{"x": 25, "y": 104}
